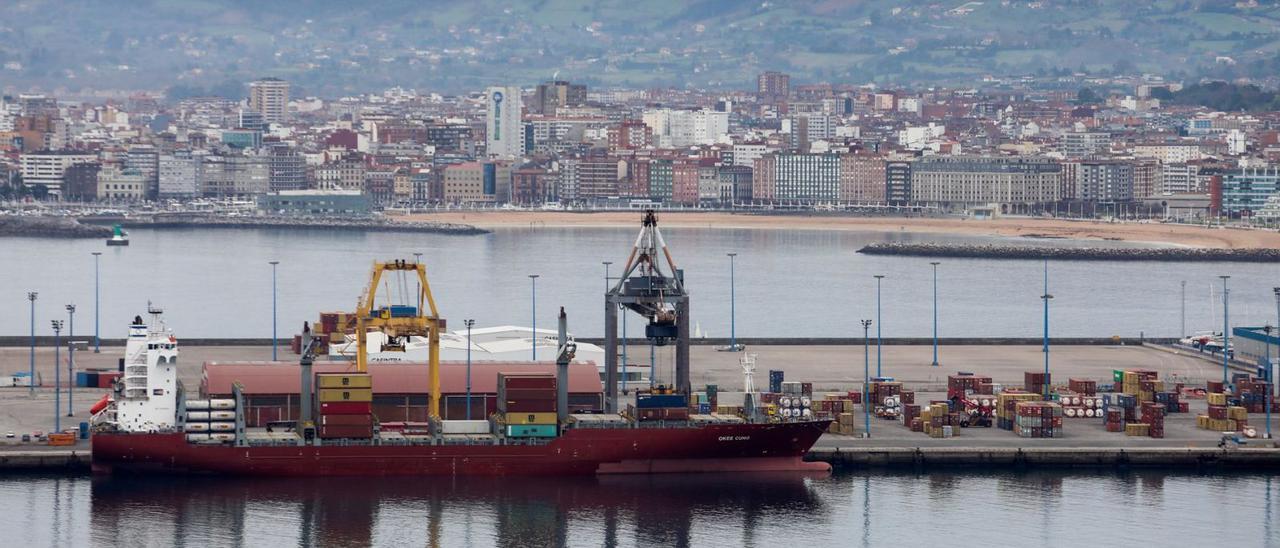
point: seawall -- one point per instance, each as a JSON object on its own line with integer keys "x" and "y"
{"x": 1187, "y": 254}
{"x": 42, "y": 340}
{"x": 1046, "y": 457}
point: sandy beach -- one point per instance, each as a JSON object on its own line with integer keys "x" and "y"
{"x": 1048, "y": 228}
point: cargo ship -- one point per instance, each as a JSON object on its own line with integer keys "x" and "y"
{"x": 148, "y": 424}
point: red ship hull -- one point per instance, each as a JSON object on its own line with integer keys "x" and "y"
{"x": 584, "y": 451}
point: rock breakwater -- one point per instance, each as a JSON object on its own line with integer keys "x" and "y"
{"x": 1255, "y": 255}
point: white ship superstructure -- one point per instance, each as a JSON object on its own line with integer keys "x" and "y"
{"x": 147, "y": 398}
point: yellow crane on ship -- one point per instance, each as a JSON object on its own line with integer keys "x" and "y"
{"x": 400, "y": 322}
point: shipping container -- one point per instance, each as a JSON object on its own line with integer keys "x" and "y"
{"x": 346, "y": 420}
{"x": 465, "y": 427}
{"x": 346, "y": 408}
{"x": 326, "y": 395}
{"x": 530, "y": 418}
{"x": 358, "y": 432}
{"x": 531, "y": 430}
{"x": 661, "y": 400}
{"x": 343, "y": 380}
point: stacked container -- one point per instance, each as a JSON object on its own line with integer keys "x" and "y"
{"x": 1085, "y": 387}
{"x": 661, "y": 407}
{"x": 937, "y": 420}
{"x": 1035, "y": 383}
{"x": 1038, "y": 419}
{"x": 527, "y": 405}
{"x": 1153, "y": 416}
{"x": 346, "y": 405}
{"x": 775, "y": 380}
{"x": 1006, "y": 406}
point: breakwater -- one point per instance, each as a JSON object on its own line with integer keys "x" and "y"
{"x": 1253, "y": 255}
{"x": 49, "y": 227}
{"x": 1049, "y": 457}
{"x": 365, "y": 224}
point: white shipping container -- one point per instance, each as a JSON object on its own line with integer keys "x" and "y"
{"x": 465, "y": 427}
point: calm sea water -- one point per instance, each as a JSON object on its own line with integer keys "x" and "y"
{"x": 217, "y": 283}
{"x": 969, "y": 509}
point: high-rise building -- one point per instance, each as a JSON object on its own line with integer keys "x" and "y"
{"x": 287, "y": 169}
{"x": 897, "y": 182}
{"x": 862, "y": 178}
{"x": 552, "y": 95}
{"x": 47, "y": 168}
{"x": 177, "y": 175}
{"x": 773, "y": 86}
{"x": 684, "y": 128}
{"x": 504, "y": 136}
{"x": 270, "y": 98}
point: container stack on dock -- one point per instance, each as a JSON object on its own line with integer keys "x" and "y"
{"x": 937, "y": 421}
{"x": 1252, "y": 393}
{"x": 1038, "y": 419}
{"x": 1222, "y": 416}
{"x": 1153, "y": 416}
{"x": 839, "y": 408}
{"x": 887, "y": 397}
{"x": 1035, "y": 383}
{"x": 96, "y": 378}
{"x": 1006, "y": 406}
{"x": 796, "y": 401}
{"x": 345, "y": 404}
{"x": 527, "y": 405}
{"x": 1076, "y": 405}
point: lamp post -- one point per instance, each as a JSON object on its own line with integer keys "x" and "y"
{"x": 57, "y": 377}
{"x": 1267, "y": 362}
{"x": 533, "y": 301}
{"x": 96, "y": 340}
{"x": 879, "y": 341}
{"x": 935, "y": 312}
{"x": 469, "y": 323}
{"x": 1046, "y": 298}
{"x": 1183, "y": 328}
{"x": 417, "y": 258}
{"x": 274, "y": 339}
{"x": 733, "y": 312}
{"x": 71, "y": 356}
{"x": 866, "y": 376}
{"x": 1226, "y": 328}
{"x": 31, "y": 296}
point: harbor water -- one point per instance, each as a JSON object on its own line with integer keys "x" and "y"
{"x": 847, "y": 509}
{"x": 789, "y": 283}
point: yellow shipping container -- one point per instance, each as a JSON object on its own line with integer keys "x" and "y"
{"x": 327, "y": 395}
{"x": 530, "y": 418}
{"x": 1137, "y": 429}
{"x": 1217, "y": 398}
{"x": 1202, "y": 421}
{"x": 1237, "y": 413}
{"x": 343, "y": 380}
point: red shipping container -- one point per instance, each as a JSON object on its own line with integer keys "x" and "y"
{"x": 346, "y": 408}
{"x": 524, "y": 381}
{"x": 330, "y": 432}
{"x": 855, "y": 397}
{"x": 675, "y": 413}
{"x": 908, "y": 397}
{"x": 1217, "y": 412}
{"x": 531, "y": 406}
{"x": 106, "y": 379}
{"x": 1215, "y": 387}
{"x": 346, "y": 420}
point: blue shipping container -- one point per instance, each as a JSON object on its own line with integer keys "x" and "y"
{"x": 775, "y": 380}
{"x": 704, "y": 408}
{"x": 644, "y": 401}
{"x": 84, "y": 430}
{"x": 82, "y": 378}
{"x": 531, "y": 430}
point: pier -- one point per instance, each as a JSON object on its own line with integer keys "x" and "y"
{"x": 1182, "y": 254}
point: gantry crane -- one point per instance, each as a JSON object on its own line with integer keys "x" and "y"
{"x": 654, "y": 292}
{"x": 400, "y": 322}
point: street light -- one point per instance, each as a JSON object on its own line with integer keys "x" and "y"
{"x": 1267, "y": 362}
{"x": 935, "y": 312}
{"x": 31, "y": 296}
{"x": 1226, "y": 328}
{"x": 274, "y": 339}
{"x": 57, "y": 377}
{"x": 71, "y": 355}
{"x": 866, "y": 376}
{"x": 469, "y": 323}
{"x": 96, "y": 341}
{"x": 1183, "y": 332}
{"x": 417, "y": 258}
{"x": 1046, "y": 298}
{"x": 533, "y": 301}
{"x": 879, "y": 341}
{"x": 733, "y": 311}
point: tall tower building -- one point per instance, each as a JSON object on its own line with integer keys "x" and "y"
{"x": 504, "y": 136}
{"x": 773, "y": 86}
{"x": 270, "y": 98}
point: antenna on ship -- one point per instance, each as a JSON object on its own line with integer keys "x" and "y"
{"x": 748, "y": 363}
